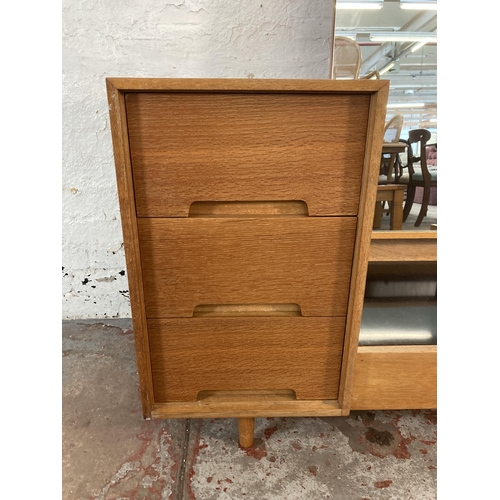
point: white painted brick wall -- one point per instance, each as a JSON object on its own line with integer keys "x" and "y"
{"x": 178, "y": 38}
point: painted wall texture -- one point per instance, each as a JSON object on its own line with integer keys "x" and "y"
{"x": 177, "y": 39}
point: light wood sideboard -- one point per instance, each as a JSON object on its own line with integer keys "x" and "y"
{"x": 247, "y": 210}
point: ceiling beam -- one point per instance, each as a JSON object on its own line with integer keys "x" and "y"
{"x": 423, "y": 21}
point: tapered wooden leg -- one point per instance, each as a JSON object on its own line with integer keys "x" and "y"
{"x": 425, "y": 204}
{"x": 397, "y": 210}
{"x": 245, "y": 429}
{"x": 377, "y": 218}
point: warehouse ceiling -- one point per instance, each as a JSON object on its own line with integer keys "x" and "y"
{"x": 410, "y": 67}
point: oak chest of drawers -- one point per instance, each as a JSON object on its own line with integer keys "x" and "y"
{"x": 246, "y": 208}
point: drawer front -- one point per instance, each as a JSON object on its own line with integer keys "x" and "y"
{"x": 236, "y": 354}
{"x": 288, "y": 260}
{"x": 197, "y": 147}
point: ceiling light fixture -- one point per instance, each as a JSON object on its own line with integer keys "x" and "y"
{"x": 400, "y": 105}
{"x": 419, "y": 45}
{"x": 385, "y": 69}
{"x": 404, "y": 36}
{"x": 361, "y": 4}
{"x": 417, "y": 5}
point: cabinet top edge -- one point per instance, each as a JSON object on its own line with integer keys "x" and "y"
{"x": 245, "y": 85}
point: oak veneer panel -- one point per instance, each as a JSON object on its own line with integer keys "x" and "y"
{"x": 395, "y": 378}
{"x": 403, "y": 246}
{"x": 245, "y": 353}
{"x": 366, "y": 212}
{"x": 254, "y": 85}
{"x": 125, "y": 184}
{"x": 244, "y": 407}
{"x": 283, "y": 260}
{"x": 189, "y": 147}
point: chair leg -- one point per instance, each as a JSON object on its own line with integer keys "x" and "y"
{"x": 425, "y": 205}
{"x": 410, "y": 196}
{"x": 246, "y": 429}
{"x": 397, "y": 210}
{"x": 377, "y": 218}
{"x": 389, "y": 208}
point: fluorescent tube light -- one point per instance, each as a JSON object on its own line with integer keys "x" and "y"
{"x": 404, "y": 36}
{"x": 406, "y": 105}
{"x": 384, "y": 70}
{"x": 363, "y": 4}
{"x": 416, "y": 5}
{"x": 418, "y": 46}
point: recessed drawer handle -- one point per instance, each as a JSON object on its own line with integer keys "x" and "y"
{"x": 223, "y": 310}
{"x": 247, "y": 395}
{"x": 291, "y": 208}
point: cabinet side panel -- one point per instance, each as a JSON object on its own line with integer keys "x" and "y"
{"x": 373, "y": 151}
{"x": 124, "y": 180}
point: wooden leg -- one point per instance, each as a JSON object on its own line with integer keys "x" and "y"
{"x": 425, "y": 205}
{"x": 410, "y": 196}
{"x": 377, "y": 219}
{"x": 245, "y": 429}
{"x": 397, "y": 210}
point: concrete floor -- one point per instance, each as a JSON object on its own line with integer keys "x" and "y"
{"x": 111, "y": 453}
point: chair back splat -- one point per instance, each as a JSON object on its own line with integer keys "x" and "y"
{"x": 418, "y": 173}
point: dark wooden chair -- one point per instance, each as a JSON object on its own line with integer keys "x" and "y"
{"x": 418, "y": 174}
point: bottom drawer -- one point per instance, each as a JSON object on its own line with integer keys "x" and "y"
{"x": 191, "y": 355}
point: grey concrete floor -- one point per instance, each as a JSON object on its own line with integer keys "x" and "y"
{"x": 110, "y": 452}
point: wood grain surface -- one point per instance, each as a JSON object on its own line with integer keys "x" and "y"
{"x": 301, "y": 260}
{"x": 369, "y": 184}
{"x": 231, "y": 354}
{"x": 253, "y": 85}
{"x": 260, "y": 275}
{"x": 403, "y": 250}
{"x": 256, "y": 407}
{"x": 189, "y": 148}
{"x": 126, "y": 198}
{"x": 395, "y": 378}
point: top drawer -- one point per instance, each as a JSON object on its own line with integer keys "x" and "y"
{"x": 198, "y": 147}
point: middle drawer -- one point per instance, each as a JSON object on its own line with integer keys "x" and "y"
{"x": 189, "y": 262}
